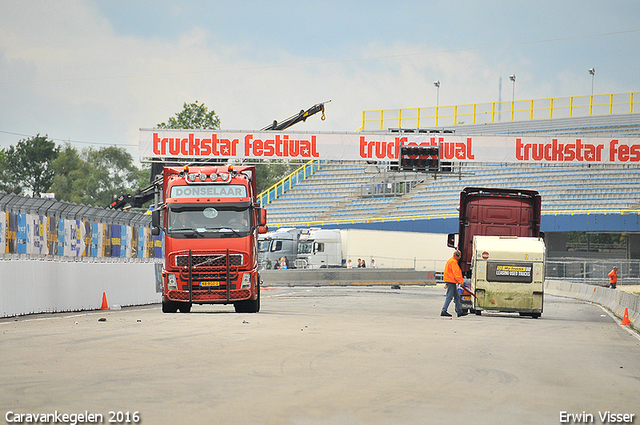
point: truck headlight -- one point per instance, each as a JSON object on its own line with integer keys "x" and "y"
{"x": 171, "y": 281}
{"x": 246, "y": 280}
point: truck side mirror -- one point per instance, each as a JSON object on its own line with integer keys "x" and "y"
{"x": 263, "y": 217}
{"x": 155, "y": 222}
{"x": 262, "y": 229}
{"x": 451, "y": 240}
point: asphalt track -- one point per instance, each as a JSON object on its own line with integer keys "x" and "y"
{"x": 330, "y": 355}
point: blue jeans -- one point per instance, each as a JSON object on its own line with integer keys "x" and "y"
{"x": 452, "y": 293}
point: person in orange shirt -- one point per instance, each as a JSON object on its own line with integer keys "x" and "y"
{"x": 613, "y": 277}
{"x": 452, "y": 278}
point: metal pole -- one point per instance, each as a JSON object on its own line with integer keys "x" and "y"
{"x": 228, "y": 277}
{"x": 190, "y": 265}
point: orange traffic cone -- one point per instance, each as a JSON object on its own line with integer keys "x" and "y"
{"x": 625, "y": 319}
{"x": 105, "y": 306}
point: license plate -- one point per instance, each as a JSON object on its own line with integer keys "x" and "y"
{"x": 210, "y": 283}
{"x": 466, "y": 298}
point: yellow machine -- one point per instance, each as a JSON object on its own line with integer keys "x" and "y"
{"x": 508, "y": 274}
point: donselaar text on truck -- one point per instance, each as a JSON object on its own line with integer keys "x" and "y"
{"x": 211, "y": 220}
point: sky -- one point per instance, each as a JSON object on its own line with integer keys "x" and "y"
{"x": 93, "y": 72}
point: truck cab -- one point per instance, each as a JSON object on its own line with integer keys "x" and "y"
{"x": 320, "y": 248}
{"x": 494, "y": 212}
{"x": 211, "y": 222}
{"x": 273, "y": 246}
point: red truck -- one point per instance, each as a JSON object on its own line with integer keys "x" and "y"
{"x": 211, "y": 219}
{"x": 493, "y": 212}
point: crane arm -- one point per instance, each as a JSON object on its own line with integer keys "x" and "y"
{"x": 300, "y": 116}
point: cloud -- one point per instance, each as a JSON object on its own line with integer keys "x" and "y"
{"x": 70, "y": 70}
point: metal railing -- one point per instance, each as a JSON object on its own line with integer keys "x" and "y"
{"x": 295, "y": 177}
{"x": 592, "y": 271}
{"x": 436, "y": 216}
{"x": 391, "y": 188}
{"x": 492, "y": 112}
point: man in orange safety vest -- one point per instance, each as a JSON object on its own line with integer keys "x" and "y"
{"x": 613, "y": 277}
{"x": 452, "y": 278}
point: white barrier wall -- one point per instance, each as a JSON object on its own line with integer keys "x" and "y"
{"x": 614, "y": 299}
{"x": 28, "y": 286}
{"x": 391, "y": 249}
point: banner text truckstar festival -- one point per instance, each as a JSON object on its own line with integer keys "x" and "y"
{"x": 385, "y": 147}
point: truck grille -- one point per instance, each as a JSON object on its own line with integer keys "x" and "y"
{"x": 208, "y": 275}
{"x": 208, "y": 260}
{"x": 209, "y": 297}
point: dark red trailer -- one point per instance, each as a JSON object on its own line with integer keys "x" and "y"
{"x": 494, "y": 212}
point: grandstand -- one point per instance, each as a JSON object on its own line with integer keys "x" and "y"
{"x": 358, "y": 191}
{"x": 341, "y": 191}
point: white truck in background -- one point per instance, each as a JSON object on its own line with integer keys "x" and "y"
{"x": 319, "y": 248}
{"x": 310, "y": 248}
{"x": 272, "y": 246}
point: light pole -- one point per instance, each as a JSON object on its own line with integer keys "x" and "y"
{"x": 592, "y": 71}
{"x": 512, "y": 77}
{"x": 437, "y": 84}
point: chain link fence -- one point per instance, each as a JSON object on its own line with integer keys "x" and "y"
{"x": 593, "y": 272}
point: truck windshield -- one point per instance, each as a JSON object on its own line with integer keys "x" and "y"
{"x": 263, "y": 246}
{"x": 208, "y": 221}
{"x": 305, "y": 247}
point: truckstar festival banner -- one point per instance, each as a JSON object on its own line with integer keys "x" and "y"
{"x": 384, "y": 146}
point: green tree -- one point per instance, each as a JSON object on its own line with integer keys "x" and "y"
{"x": 270, "y": 172}
{"x": 27, "y": 167}
{"x": 70, "y": 171}
{"x": 193, "y": 116}
{"x": 114, "y": 175}
{"x": 5, "y": 186}
{"x": 95, "y": 176}
{"x": 197, "y": 116}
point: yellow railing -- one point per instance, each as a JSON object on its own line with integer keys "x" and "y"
{"x": 441, "y": 216}
{"x": 518, "y": 110}
{"x": 287, "y": 183}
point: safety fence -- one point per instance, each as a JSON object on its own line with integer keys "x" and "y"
{"x": 47, "y": 229}
{"x": 491, "y": 112}
{"x": 592, "y": 271}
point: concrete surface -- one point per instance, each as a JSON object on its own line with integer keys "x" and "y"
{"x": 331, "y": 355}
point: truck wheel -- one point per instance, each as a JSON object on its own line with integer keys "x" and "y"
{"x": 184, "y": 307}
{"x": 478, "y": 312}
{"x": 169, "y": 307}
